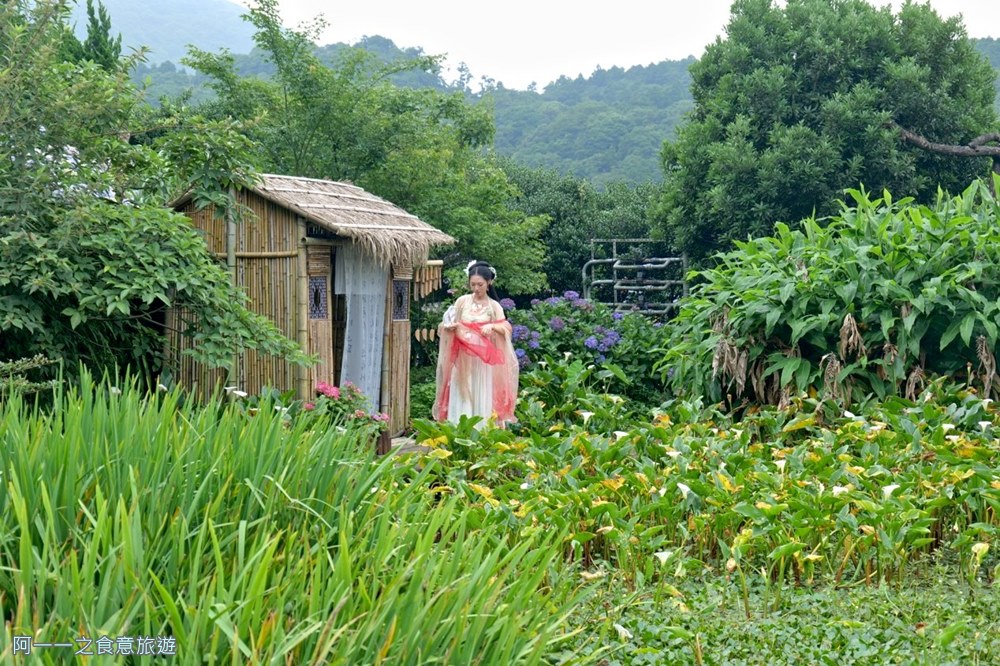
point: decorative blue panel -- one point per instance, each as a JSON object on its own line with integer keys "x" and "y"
{"x": 400, "y": 300}
{"x": 318, "y": 306}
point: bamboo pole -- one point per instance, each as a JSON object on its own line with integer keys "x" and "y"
{"x": 384, "y": 442}
{"x": 282, "y": 254}
{"x": 231, "y": 265}
{"x": 385, "y": 392}
{"x": 302, "y": 309}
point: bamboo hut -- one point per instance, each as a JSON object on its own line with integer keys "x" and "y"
{"x": 335, "y": 268}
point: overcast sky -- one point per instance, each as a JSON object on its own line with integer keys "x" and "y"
{"x": 518, "y": 42}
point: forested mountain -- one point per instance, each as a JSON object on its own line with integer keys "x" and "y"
{"x": 604, "y": 128}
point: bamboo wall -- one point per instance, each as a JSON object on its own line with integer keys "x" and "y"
{"x": 266, "y": 251}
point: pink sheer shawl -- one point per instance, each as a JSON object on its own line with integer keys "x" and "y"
{"x": 495, "y": 355}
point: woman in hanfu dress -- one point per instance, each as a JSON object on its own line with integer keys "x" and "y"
{"x": 477, "y": 371}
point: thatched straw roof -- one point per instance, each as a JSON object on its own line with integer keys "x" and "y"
{"x": 382, "y": 230}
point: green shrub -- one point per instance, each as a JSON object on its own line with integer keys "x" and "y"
{"x": 423, "y": 389}
{"x": 13, "y": 376}
{"x": 880, "y": 298}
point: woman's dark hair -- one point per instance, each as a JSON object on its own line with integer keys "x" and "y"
{"x": 488, "y": 273}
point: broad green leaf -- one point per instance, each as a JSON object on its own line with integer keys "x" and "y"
{"x": 950, "y": 333}
{"x": 786, "y": 550}
{"x": 951, "y": 632}
{"x": 968, "y": 322}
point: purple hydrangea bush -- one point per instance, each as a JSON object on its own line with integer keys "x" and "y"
{"x": 557, "y": 326}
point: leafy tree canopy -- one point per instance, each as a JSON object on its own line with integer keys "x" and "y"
{"x": 89, "y": 256}
{"x": 797, "y": 104}
{"x": 577, "y": 213}
{"x": 419, "y": 148}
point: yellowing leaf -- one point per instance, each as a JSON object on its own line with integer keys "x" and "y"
{"x": 614, "y": 483}
{"x": 800, "y": 423}
{"x": 437, "y": 441}
{"x": 961, "y": 476}
{"x": 725, "y": 481}
{"x": 439, "y": 454}
{"x": 671, "y": 590}
{"x": 482, "y": 490}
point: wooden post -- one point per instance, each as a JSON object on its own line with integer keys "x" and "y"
{"x": 385, "y": 389}
{"x": 384, "y": 443}
{"x": 302, "y": 309}
{"x": 234, "y": 364}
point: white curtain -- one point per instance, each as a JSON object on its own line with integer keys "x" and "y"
{"x": 363, "y": 283}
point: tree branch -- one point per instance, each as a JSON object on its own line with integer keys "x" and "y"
{"x": 985, "y": 138}
{"x": 974, "y": 148}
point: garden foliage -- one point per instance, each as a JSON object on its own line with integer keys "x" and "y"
{"x": 578, "y": 212}
{"x": 809, "y": 494}
{"x": 804, "y": 99}
{"x": 881, "y": 298}
{"x": 89, "y": 255}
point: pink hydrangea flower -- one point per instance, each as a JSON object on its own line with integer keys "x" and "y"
{"x": 309, "y": 406}
{"x": 329, "y": 391}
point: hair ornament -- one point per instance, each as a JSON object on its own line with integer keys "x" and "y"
{"x": 474, "y": 262}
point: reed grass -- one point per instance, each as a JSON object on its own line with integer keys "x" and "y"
{"x": 251, "y": 541}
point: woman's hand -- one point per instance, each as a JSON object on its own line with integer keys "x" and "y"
{"x": 488, "y": 329}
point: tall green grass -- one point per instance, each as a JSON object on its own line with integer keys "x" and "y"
{"x": 253, "y": 541}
